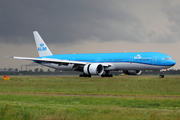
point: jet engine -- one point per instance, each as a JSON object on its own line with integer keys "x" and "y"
{"x": 93, "y": 69}
{"x": 132, "y": 72}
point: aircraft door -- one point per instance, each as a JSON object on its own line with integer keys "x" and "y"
{"x": 131, "y": 65}
{"x": 98, "y": 59}
{"x": 72, "y": 59}
{"x": 131, "y": 59}
{"x": 154, "y": 60}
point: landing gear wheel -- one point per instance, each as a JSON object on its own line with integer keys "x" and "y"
{"x": 161, "y": 76}
{"x": 107, "y": 74}
{"x": 84, "y": 75}
{"x": 110, "y": 75}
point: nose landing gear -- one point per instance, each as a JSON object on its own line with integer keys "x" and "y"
{"x": 162, "y": 73}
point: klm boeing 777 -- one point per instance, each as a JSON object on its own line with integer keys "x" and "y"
{"x": 101, "y": 63}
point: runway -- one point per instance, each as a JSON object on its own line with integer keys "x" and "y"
{"x": 90, "y": 95}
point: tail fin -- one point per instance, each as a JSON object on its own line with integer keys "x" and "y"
{"x": 42, "y": 48}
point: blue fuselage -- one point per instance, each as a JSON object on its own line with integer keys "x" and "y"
{"x": 121, "y": 61}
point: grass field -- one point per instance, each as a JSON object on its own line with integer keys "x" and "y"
{"x": 150, "y": 102}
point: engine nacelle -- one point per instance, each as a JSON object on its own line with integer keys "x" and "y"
{"x": 132, "y": 72}
{"x": 93, "y": 69}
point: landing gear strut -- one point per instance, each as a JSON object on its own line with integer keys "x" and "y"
{"x": 107, "y": 74}
{"x": 84, "y": 75}
{"x": 162, "y": 73}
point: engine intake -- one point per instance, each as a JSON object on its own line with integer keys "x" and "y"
{"x": 93, "y": 69}
{"x": 132, "y": 72}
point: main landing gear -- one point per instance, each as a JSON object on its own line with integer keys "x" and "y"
{"x": 103, "y": 75}
{"x": 162, "y": 73}
{"x": 107, "y": 74}
{"x": 84, "y": 75}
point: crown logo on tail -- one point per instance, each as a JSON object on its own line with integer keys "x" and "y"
{"x": 41, "y": 44}
{"x": 41, "y": 48}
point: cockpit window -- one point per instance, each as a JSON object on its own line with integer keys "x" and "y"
{"x": 168, "y": 58}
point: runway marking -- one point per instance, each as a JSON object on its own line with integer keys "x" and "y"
{"x": 84, "y": 95}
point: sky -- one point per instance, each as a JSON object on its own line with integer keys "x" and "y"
{"x": 89, "y": 26}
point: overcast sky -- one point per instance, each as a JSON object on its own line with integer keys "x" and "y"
{"x": 80, "y": 26}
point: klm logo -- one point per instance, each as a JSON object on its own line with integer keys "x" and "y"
{"x": 42, "y": 48}
{"x": 137, "y": 57}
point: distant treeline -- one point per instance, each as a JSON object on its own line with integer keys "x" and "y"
{"x": 38, "y": 71}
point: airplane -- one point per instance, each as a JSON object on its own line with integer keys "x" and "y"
{"x": 101, "y": 63}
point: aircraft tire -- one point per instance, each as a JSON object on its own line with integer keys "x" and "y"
{"x": 108, "y": 75}
{"x": 84, "y": 75}
{"x": 161, "y": 76}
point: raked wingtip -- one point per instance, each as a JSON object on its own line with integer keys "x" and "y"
{"x": 10, "y": 56}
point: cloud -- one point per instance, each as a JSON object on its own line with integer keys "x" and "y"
{"x": 75, "y": 22}
{"x": 80, "y": 26}
{"x": 69, "y": 21}
{"x": 172, "y": 10}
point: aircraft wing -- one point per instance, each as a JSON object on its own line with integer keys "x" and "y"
{"x": 56, "y": 61}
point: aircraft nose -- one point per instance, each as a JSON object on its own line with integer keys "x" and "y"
{"x": 173, "y": 62}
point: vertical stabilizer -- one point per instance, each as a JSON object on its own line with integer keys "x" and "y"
{"x": 42, "y": 48}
